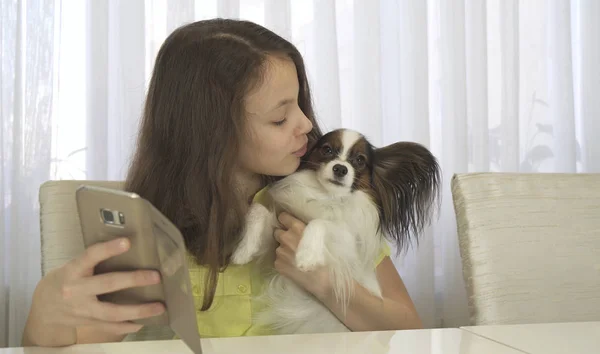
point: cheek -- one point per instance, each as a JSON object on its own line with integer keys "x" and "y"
{"x": 270, "y": 155}
{"x": 260, "y": 144}
{"x": 271, "y": 146}
{"x": 248, "y": 149}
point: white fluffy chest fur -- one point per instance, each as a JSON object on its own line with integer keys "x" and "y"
{"x": 342, "y": 234}
{"x": 302, "y": 196}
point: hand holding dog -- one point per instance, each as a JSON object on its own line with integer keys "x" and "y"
{"x": 316, "y": 281}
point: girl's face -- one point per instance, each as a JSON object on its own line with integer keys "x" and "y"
{"x": 277, "y": 126}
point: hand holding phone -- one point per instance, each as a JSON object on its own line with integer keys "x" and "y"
{"x": 66, "y": 298}
{"x": 156, "y": 245}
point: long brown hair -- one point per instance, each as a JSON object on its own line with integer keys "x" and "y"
{"x": 192, "y": 124}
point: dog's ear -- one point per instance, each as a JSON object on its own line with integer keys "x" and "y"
{"x": 406, "y": 181}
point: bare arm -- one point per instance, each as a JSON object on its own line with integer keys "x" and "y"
{"x": 41, "y": 332}
{"x": 36, "y": 334}
{"x": 58, "y": 336}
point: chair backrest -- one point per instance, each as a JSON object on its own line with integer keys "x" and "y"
{"x": 59, "y": 221}
{"x": 530, "y": 246}
{"x": 61, "y": 238}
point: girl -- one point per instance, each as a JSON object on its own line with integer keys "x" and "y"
{"x": 228, "y": 110}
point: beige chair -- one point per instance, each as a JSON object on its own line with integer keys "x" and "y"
{"x": 530, "y": 246}
{"x": 61, "y": 236}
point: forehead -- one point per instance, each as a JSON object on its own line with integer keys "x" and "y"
{"x": 279, "y": 82}
{"x": 346, "y": 143}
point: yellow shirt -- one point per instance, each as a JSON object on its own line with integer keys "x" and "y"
{"x": 231, "y": 312}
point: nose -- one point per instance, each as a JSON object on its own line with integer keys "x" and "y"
{"x": 340, "y": 170}
{"x": 305, "y": 126}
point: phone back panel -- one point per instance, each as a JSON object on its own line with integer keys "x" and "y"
{"x": 156, "y": 243}
{"x": 106, "y": 214}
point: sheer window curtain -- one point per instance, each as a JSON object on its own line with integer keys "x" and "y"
{"x": 496, "y": 85}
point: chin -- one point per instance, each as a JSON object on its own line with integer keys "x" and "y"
{"x": 354, "y": 199}
{"x": 288, "y": 166}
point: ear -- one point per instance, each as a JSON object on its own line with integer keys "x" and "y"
{"x": 406, "y": 180}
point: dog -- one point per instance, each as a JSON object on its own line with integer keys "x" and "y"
{"x": 353, "y": 198}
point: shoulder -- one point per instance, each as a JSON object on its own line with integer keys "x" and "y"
{"x": 384, "y": 252}
{"x": 262, "y": 197}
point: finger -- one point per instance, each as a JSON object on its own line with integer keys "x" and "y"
{"x": 277, "y": 235}
{"x": 111, "y": 327}
{"x": 291, "y": 223}
{"x": 287, "y": 239}
{"x": 283, "y": 261}
{"x": 110, "y": 282}
{"x": 109, "y": 312}
{"x": 99, "y": 252}
{"x": 285, "y": 254}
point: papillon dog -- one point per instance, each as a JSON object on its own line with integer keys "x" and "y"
{"x": 352, "y": 197}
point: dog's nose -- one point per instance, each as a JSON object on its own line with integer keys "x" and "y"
{"x": 340, "y": 170}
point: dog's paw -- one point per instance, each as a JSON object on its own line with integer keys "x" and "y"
{"x": 243, "y": 254}
{"x": 310, "y": 254}
{"x": 252, "y": 236}
{"x": 307, "y": 261}
{"x": 249, "y": 246}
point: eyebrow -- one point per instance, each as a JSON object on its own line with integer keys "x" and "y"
{"x": 281, "y": 103}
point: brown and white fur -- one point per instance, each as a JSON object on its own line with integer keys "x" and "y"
{"x": 353, "y": 197}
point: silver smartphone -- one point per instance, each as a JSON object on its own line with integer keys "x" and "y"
{"x": 106, "y": 214}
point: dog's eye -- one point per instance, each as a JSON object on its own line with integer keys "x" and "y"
{"x": 326, "y": 150}
{"x": 360, "y": 160}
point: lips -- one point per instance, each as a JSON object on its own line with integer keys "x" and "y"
{"x": 302, "y": 151}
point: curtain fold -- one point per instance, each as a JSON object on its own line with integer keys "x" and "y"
{"x": 560, "y": 84}
{"x": 228, "y": 8}
{"x": 477, "y": 83}
{"x": 589, "y": 86}
{"x": 366, "y": 102}
{"x": 28, "y": 45}
{"x": 97, "y": 89}
{"x": 325, "y": 76}
{"x": 454, "y": 153}
{"x": 179, "y": 12}
{"x": 278, "y": 17}
{"x": 510, "y": 74}
{"x": 488, "y": 85}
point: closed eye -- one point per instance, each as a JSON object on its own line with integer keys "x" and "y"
{"x": 280, "y": 122}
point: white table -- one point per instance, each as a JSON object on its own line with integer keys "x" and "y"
{"x": 545, "y": 338}
{"x": 438, "y": 341}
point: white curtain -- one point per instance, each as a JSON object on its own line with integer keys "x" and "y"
{"x": 496, "y": 85}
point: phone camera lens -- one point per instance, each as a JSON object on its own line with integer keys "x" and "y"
{"x": 108, "y": 216}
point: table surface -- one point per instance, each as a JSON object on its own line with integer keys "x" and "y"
{"x": 545, "y": 338}
{"x": 447, "y": 341}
